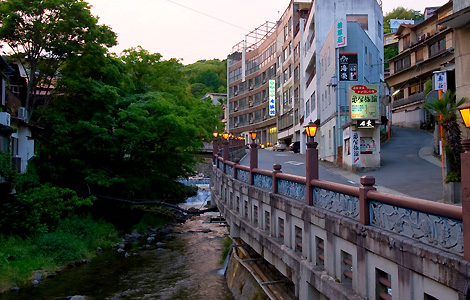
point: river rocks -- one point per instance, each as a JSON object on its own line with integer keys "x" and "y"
{"x": 15, "y": 289}
{"x": 78, "y": 297}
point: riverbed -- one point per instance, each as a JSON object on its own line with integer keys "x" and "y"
{"x": 183, "y": 267}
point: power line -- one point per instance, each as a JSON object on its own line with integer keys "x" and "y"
{"x": 207, "y": 15}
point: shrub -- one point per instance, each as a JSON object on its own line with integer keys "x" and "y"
{"x": 40, "y": 209}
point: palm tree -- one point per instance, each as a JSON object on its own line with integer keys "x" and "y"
{"x": 444, "y": 112}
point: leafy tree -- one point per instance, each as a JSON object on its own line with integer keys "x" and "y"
{"x": 43, "y": 33}
{"x": 206, "y": 76}
{"x": 123, "y": 126}
{"x": 401, "y": 13}
{"x": 444, "y": 112}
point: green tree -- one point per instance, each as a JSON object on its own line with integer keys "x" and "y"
{"x": 123, "y": 126}
{"x": 43, "y": 33}
{"x": 401, "y": 13}
{"x": 444, "y": 112}
{"x": 206, "y": 76}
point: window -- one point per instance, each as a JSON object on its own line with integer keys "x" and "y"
{"x": 313, "y": 104}
{"x": 414, "y": 89}
{"x": 379, "y": 30}
{"x": 307, "y": 107}
{"x": 420, "y": 55}
{"x": 406, "y": 42}
{"x": 361, "y": 19}
{"x": 402, "y": 63}
{"x": 438, "y": 47}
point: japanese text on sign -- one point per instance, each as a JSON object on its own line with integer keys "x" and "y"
{"x": 355, "y": 148}
{"x": 364, "y": 101}
{"x": 341, "y": 33}
{"x": 272, "y": 97}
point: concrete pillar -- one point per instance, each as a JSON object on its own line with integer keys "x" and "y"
{"x": 367, "y": 185}
{"x": 215, "y": 150}
{"x": 277, "y": 169}
{"x": 253, "y": 159}
{"x": 465, "y": 169}
{"x": 311, "y": 170}
{"x": 226, "y": 150}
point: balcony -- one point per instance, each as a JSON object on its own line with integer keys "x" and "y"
{"x": 411, "y": 99}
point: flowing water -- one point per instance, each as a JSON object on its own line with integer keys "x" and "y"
{"x": 186, "y": 267}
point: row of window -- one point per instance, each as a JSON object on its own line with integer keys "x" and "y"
{"x": 433, "y": 50}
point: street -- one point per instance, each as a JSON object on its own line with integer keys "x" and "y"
{"x": 407, "y": 166}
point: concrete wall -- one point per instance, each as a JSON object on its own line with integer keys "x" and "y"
{"x": 414, "y": 270}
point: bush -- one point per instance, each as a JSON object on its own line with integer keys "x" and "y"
{"x": 40, "y": 209}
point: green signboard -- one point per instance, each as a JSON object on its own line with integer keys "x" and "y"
{"x": 364, "y": 101}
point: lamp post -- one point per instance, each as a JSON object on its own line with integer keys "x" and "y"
{"x": 215, "y": 146}
{"x": 465, "y": 179}
{"x": 226, "y": 150}
{"x": 311, "y": 161}
{"x": 253, "y": 155}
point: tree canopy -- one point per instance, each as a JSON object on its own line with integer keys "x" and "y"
{"x": 43, "y": 33}
{"x": 401, "y": 13}
{"x": 124, "y": 126}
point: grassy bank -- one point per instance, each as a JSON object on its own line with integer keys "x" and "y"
{"x": 75, "y": 238}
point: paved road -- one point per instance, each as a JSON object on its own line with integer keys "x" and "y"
{"x": 408, "y": 167}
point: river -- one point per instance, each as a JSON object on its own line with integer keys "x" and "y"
{"x": 185, "y": 267}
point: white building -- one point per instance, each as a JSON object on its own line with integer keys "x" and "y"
{"x": 334, "y": 28}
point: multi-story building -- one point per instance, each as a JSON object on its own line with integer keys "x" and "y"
{"x": 460, "y": 22}
{"x": 338, "y": 35}
{"x": 264, "y": 78}
{"x": 423, "y": 49}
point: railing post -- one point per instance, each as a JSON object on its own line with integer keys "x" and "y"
{"x": 253, "y": 160}
{"x": 236, "y": 161}
{"x": 367, "y": 185}
{"x": 465, "y": 179}
{"x": 311, "y": 170}
{"x": 277, "y": 169}
{"x": 215, "y": 150}
{"x": 225, "y": 155}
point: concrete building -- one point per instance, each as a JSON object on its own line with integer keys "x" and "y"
{"x": 334, "y": 30}
{"x": 459, "y": 21}
{"x": 263, "y": 71}
{"x": 423, "y": 49}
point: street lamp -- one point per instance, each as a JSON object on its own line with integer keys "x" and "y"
{"x": 311, "y": 162}
{"x": 465, "y": 181}
{"x": 465, "y": 112}
{"x": 226, "y": 135}
{"x": 311, "y": 129}
{"x": 253, "y": 135}
{"x": 215, "y": 134}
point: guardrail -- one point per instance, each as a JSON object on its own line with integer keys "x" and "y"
{"x": 436, "y": 224}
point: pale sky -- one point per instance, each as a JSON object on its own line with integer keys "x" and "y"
{"x": 203, "y": 29}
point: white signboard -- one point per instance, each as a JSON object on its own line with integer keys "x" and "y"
{"x": 272, "y": 97}
{"x": 356, "y": 150}
{"x": 395, "y": 23}
{"x": 440, "y": 81}
{"x": 341, "y": 32}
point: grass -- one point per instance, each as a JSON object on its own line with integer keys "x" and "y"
{"x": 75, "y": 238}
{"x": 226, "y": 243}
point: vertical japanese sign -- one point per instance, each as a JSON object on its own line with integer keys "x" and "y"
{"x": 347, "y": 66}
{"x": 272, "y": 97}
{"x": 356, "y": 151}
{"x": 364, "y": 101}
{"x": 440, "y": 81}
{"x": 341, "y": 34}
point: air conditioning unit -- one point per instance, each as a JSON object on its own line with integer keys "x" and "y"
{"x": 5, "y": 118}
{"x": 22, "y": 113}
{"x": 251, "y": 121}
{"x": 236, "y": 93}
{"x": 235, "y": 109}
{"x": 251, "y": 104}
{"x": 265, "y": 117}
{"x": 236, "y": 124}
{"x": 251, "y": 87}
